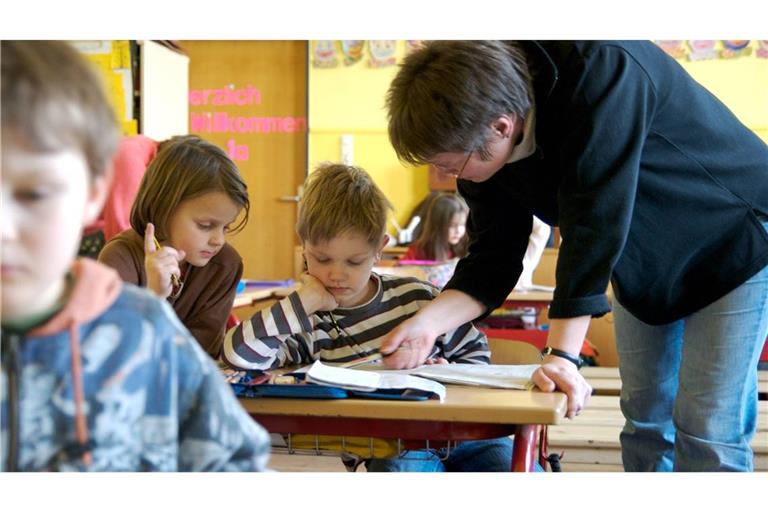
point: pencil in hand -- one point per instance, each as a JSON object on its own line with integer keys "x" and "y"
{"x": 174, "y": 278}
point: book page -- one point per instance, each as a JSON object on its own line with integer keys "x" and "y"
{"x": 360, "y": 380}
{"x": 342, "y": 377}
{"x": 507, "y": 376}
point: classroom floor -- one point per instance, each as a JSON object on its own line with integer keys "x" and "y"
{"x": 307, "y": 463}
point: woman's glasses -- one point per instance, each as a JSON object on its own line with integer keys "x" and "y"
{"x": 450, "y": 170}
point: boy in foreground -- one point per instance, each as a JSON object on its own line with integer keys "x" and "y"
{"x": 97, "y": 375}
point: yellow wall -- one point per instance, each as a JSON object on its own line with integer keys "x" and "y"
{"x": 741, "y": 83}
{"x": 350, "y": 100}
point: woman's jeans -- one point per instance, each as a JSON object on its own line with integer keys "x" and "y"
{"x": 689, "y": 388}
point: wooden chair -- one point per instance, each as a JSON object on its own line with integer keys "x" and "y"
{"x": 513, "y": 352}
{"x": 504, "y": 351}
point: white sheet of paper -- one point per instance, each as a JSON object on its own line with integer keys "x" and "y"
{"x": 360, "y": 380}
{"x": 507, "y": 376}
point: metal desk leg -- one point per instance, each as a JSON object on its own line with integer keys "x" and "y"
{"x": 524, "y": 450}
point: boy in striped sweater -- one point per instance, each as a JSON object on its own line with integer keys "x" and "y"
{"x": 343, "y": 309}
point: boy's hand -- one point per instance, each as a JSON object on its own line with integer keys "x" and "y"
{"x": 314, "y": 296}
{"x": 160, "y": 264}
{"x": 408, "y": 345}
{"x": 437, "y": 360}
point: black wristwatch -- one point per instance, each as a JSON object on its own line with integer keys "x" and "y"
{"x": 549, "y": 351}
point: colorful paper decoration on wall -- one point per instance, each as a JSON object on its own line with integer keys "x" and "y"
{"x": 673, "y": 48}
{"x": 382, "y": 53}
{"x": 735, "y": 48}
{"x": 112, "y": 59}
{"x": 352, "y": 50}
{"x": 324, "y": 54}
{"x": 762, "y": 49}
{"x": 412, "y": 44}
{"x": 702, "y": 50}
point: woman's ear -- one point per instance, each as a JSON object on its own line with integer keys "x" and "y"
{"x": 504, "y": 126}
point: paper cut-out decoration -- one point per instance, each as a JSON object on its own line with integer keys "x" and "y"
{"x": 324, "y": 54}
{"x": 702, "y": 50}
{"x": 762, "y": 49}
{"x": 673, "y": 48}
{"x": 413, "y": 44}
{"x": 735, "y": 48}
{"x": 353, "y": 51}
{"x": 382, "y": 53}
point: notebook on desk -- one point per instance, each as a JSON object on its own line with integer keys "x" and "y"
{"x": 261, "y": 384}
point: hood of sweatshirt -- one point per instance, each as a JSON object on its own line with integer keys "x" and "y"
{"x": 96, "y": 289}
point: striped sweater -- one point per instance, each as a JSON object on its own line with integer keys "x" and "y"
{"x": 284, "y": 335}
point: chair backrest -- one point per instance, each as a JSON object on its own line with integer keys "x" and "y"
{"x": 513, "y": 352}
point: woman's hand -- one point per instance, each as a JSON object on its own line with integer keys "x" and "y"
{"x": 160, "y": 264}
{"x": 314, "y": 296}
{"x": 558, "y": 373}
{"x": 408, "y": 345}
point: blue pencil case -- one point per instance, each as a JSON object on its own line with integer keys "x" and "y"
{"x": 288, "y": 391}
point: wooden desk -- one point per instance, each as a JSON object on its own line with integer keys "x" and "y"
{"x": 466, "y": 413}
{"x": 394, "y": 252}
{"x": 535, "y": 299}
{"x": 249, "y": 296}
{"x": 255, "y": 294}
{"x": 606, "y": 381}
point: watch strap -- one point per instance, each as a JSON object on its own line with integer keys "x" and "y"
{"x": 549, "y": 351}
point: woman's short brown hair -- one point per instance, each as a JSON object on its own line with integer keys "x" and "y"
{"x": 185, "y": 167}
{"x": 447, "y": 93}
{"x": 53, "y": 98}
{"x": 339, "y": 198}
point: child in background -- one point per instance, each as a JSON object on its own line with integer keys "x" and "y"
{"x": 130, "y": 163}
{"x": 343, "y": 309}
{"x": 443, "y": 234}
{"x": 96, "y": 375}
{"x": 189, "y": 198}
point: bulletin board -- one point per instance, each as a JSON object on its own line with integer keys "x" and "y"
{"x": 113, "y": 63}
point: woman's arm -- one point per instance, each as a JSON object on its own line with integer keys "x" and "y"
{"x": 566, "y": 334}
{"x": 409, "y": 344}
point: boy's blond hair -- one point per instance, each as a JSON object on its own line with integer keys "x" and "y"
{"x": 54, "y": 100}
{"x": 339, "y": 198}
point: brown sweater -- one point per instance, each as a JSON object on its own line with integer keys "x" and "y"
{"x": 206, "y": 299}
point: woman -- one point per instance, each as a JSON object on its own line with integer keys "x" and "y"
{"x": 655, "y": 185}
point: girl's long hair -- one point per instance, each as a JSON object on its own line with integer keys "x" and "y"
{"x": 433, "y": 239}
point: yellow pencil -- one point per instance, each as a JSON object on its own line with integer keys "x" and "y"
{"x": 174, "y": 279}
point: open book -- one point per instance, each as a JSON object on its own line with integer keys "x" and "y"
{"x": 369, "y": 381}
{"x": 505, "y": 376}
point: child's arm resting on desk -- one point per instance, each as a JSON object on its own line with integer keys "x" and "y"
{"x": 282, "y": 335}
